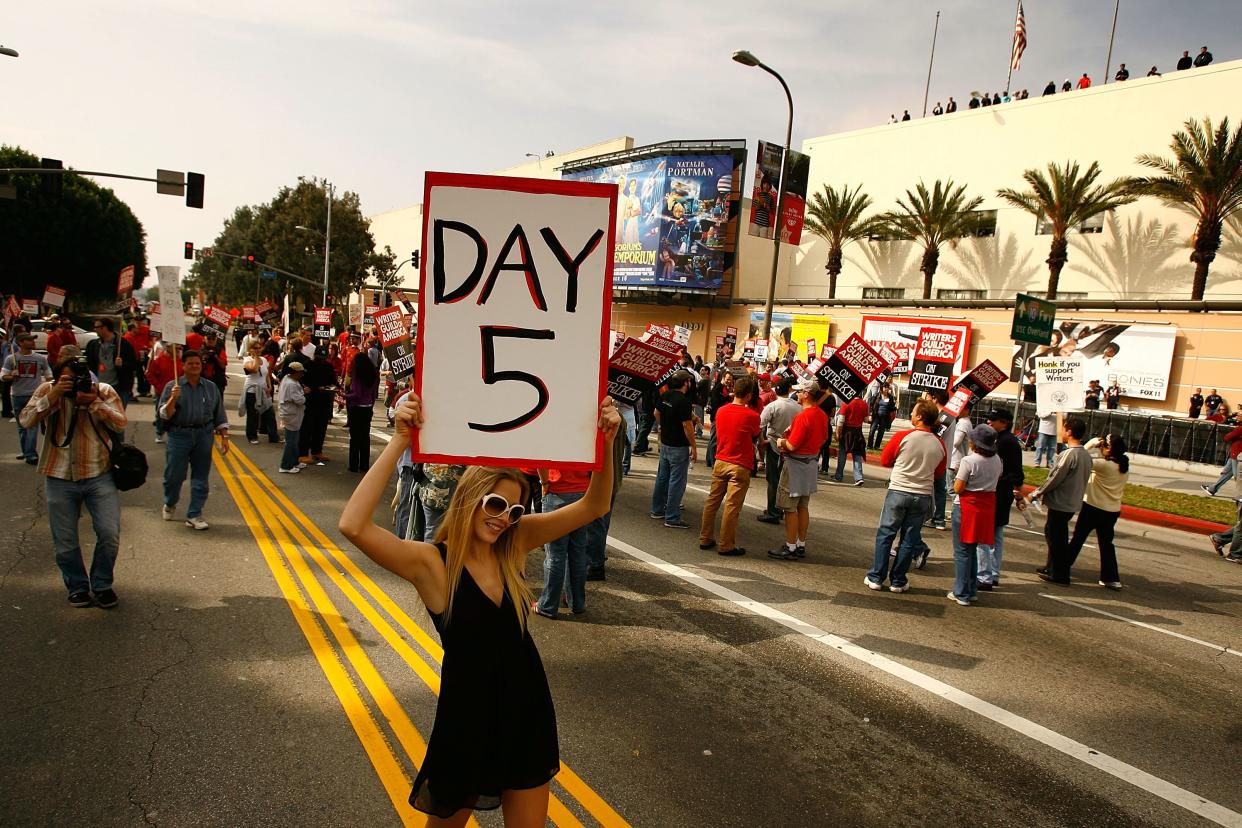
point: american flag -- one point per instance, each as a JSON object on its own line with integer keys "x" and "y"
{"x": 1019, "y": 39}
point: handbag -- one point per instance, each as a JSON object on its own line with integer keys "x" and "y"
{"x": 126, "y": 461}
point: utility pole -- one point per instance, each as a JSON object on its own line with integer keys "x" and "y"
{"x": 327, "y": 245}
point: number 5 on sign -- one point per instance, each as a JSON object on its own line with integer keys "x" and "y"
{"x": 513, "y": 320}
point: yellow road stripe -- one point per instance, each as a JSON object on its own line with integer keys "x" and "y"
{"x": 378, "y": 750}
{"x": 570, "y": 781}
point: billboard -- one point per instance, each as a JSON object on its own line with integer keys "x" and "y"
{"x": 764, "y": 194}
{"x": 791, "y": 332}
{"x": 676, "y": 224}
{"x": 901, "y": 334}
{"x": 1138, "y": 358}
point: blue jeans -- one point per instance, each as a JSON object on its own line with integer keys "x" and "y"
{"x": 188, "y": 447}
{"x": 904, "y": 512}
{"x": 65, "y": 499}
{"x": 567, "y": 552}
{"x": 1226, "y": 474}
{"x": 990, "y": 558}
{"x": 407, "y": 496}
{"x": 858, "y": 465}
{"x": 631, "y": 435}
{"x": 27, "y": 438}
{"x": 940, "y": 496}
{"x": 965, "y": 561}
{"x": 1046, "y": 446}
{"x": 670, "y": 482}
{"x": 597, "y": 542}
{"x": 431, "y": 521}
{"x": 289, "y": 457}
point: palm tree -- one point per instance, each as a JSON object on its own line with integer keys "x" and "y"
{"x": 836, "y": 217}
{"x": 1204, "y": 176}
{"x": 931, "y": 218}
{"x": 1065, "y": 198}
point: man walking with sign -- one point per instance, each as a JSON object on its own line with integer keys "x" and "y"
{"x": 193, "y": 411}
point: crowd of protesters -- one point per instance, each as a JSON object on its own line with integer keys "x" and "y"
{"x": 982, "y": 99}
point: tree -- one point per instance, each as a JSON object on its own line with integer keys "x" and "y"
{"x": 1205, "y": 177}
{"x": 836, "y": 216}
{"x": 79, "y": 241}
{"x": 270, "y": 233}
{"x": 931, "y": 218}
{"x": 1065, "y": 198}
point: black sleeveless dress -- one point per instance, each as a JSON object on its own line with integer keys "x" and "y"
{"x": 495, "y": 727}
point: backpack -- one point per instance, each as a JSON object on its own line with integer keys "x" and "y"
{"x": 127, "y": 462}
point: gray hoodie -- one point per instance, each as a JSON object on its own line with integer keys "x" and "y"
{"x": 1067, "y": 483}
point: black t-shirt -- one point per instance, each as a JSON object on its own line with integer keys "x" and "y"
{"x": 674, "y": 408}
{"x": 1112, "y": 396}
{"x": 1093, "y": 399}
{"x": 1196, "y": 404}
{"x": 1213, "y": 402}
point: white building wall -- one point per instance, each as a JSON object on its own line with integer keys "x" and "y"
{"x": 1141, "y": 254}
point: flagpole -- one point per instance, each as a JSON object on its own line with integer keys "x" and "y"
{"x": 1012, "y": 41}
{"x": 930, "y": 61}
{"x": 1108, "y": 64}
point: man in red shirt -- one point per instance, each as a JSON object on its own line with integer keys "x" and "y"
{"x": 850, "y": 438}
{"x": 799, "y": 473}
{"x": 139, "y": 336}
{"x": 737, "y": 428}
{"x": 1084, "y": 82}
{"x": 59, "y": 335}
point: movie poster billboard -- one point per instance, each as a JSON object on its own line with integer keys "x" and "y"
{"x": 1138, "y": 358}
{"x": 765, "y": 193}
{"x": 791, "y": 331}
{"x": 901, "y": 334}
{"x": 676, "y": 219}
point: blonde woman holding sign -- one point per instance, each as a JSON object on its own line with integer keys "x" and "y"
{"x": 494, "y": 740}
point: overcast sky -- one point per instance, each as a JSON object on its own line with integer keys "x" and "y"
{"x": 372, "y": 93}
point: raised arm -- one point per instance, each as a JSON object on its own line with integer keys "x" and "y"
{"x": 536, "y": 530}
{"x": 417, "y": 562}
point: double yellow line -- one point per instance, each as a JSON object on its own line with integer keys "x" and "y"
{"x": 287, "y": 538}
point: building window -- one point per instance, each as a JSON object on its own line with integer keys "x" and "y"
{"x": 884, "y": 293}
{"x": 1072, "y": 295}
{"x": 957, "y": 295}
{"x": 1095, "y": 224}
{"x": 987, "y": 223}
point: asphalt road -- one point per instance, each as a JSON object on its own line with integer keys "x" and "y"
{"x": 265, "y": 673}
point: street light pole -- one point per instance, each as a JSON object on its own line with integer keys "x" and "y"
{"x": 327, "y": 246}
{"x": 747, "y": 59}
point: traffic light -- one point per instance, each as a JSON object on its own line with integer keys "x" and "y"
{"x": 250, "y": 260}
{"x": 52, "y": 184}
{"x": 414, "y": 259}
{"x": 189, "y": 250}
{"x": 194, "y": 189}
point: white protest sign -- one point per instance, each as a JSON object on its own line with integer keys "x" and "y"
{"x": 54, "y": 296}
{"x": 681, "y": 335}
{"x": 514, "y": 305}
{"x": 172, "y": 312}
{"x": 1058, "y": 385}
{"x": 761, "y": 351}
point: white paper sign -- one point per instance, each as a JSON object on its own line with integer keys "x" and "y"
{"x": 514, "y": 309}
{"x": 761, "y": 351}
{"x": 681, "y": 335}
{"x": 1058, "y": 385}
{"x": 172, "y": 312}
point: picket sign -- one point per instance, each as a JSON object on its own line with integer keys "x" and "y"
{"x": 514, "y": 307}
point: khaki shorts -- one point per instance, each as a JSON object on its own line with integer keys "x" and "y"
{"x": 790, "y": 504}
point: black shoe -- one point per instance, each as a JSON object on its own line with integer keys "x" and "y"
{"x": 800, "y": 551}
{"x": 81, "y": 598}
{"x": 985, "y": 586}
{"x": 676, "y": 524}
{"x": 106, "y": 598}
{"x": 595, "y": 574}
{"x": 1052, "y": 580}
{"x": 782, "y": 553}
{"x": 656, "y": 515}
{"x": 766, "y": 518}
{"x": 1217, "y": 545}
{"x": 1043, "y": 570}
{"x": 32, "y": 461}
{"x": 732, "y": 553}
{"x": 20, "y": 457}
{"x": 708, "y": 545}
{"x": 920, "y": 560}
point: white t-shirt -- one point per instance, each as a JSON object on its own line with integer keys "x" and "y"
{"x": 258, "y": 378}
{"x": 980, "y": 473}
{"x": 1048, "y": 424}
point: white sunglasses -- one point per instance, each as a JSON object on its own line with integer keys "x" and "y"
{"x": 495, "y": 506}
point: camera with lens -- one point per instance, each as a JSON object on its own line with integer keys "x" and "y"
{"x": 81, "y": 370}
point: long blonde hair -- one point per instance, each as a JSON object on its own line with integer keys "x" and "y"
{"x": 457, "y": 533}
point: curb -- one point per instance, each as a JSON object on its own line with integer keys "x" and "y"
{"x": 1163, "y": 519}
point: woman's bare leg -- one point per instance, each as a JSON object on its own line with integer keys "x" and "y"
{"x": 457, "y": 820}
{"x": 527, "y": 808}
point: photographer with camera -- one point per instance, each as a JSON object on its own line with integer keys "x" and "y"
{"x": 75, "y": 462}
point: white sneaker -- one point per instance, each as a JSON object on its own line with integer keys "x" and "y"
{"x": 1111, "y": 584}
{"x": 302, "y": 466}
{"x": 870, "y": 584}
{"x": 960, "y": 602}
{"x": 196, "y": 523}
{"x": 167, "y": 512}
{"x": 895, "y": 588}
{"x": 159, "y": 438}
{"x": 293, "y": 470}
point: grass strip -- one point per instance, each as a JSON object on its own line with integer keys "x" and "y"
{"x": 1219, "y": 510}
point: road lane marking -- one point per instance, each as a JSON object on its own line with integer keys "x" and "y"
{"x": 572, "y": 783}
{"x": 1144, "y": 625}
{"x": 1077, "y": 750}
{"x": 391, "y": 775}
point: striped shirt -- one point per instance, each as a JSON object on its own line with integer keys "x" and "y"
{"x": 85, "y": 456}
